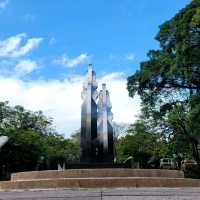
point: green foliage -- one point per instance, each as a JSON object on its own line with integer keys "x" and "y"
{"x": 76, "y": 137}
{"x": 61, "y": 150}
{"x": 184, "y": 120}
{"x": 30, "y": 137}
{"x": 22, "y": 150}
{"x": 141, "y": 144}
{"x": 169, "y": 81}
{"x": 18, "y": 117}
{"x": 174, "y": 67}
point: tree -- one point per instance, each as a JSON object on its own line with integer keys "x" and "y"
{"x": 30, "y": 138}
{"x": 176, "y": 65}
{"x": 141, "y": 144}
{"x": 22, "y": 150}
{"x": 76, "y": 137}
{"x": 18, "y": 117}
{"x": 60, "y": 150}
{"x": 184, "y": 120}
{"x": 170, "y": 79}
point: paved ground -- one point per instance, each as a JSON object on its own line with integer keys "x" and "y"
{"x": 107, "y": 194}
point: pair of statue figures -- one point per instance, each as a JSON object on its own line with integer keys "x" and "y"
{"x": 96, "y": 123}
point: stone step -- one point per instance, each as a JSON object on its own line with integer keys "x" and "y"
{"x": 103, "y": 182}
{"x": 87, "y": 173}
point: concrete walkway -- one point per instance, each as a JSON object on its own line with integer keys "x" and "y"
{"x": 106, "y": 194}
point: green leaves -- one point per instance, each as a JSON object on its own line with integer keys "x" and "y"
{"x": 18, "y": 117}
{"x": 141, "y": 143}
{"x": 169, "y": 81}
{"x": 30, "y": 137}
{"x": 176, "y": 65}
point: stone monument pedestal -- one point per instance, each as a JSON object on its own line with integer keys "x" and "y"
{"x": 97, "y": 178}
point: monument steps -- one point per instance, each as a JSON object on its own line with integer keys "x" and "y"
{"x": 104, "y": 182}
{"x": 97, "y": 178}
{"x": 86, "y": 173}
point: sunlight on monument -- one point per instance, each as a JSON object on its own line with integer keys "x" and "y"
{"x": 96, "y": 123}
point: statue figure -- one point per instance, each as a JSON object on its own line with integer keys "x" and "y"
{"x": 96, "y": 123}
{"x": 104, "y": 127}
{"x": 89, "y": 119}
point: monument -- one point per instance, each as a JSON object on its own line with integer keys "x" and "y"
{"x": 89, "y": 144}
{"x": 96, "y": 150}
{"x": 104, "y": 127}
{"x": 96, "y": 123}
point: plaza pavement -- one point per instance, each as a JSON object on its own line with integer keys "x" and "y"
{"x": 106, "y": 194}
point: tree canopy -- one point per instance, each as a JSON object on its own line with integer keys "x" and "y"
{"x": 176, "y": 65}
{"x": 32, "y": 137}
{"x": 141, "y": 144}
{"x": 169, "y": 81}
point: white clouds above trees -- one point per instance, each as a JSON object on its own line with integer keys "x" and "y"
{"x": 62, "y": 99}
{"x": 58, "y": 99}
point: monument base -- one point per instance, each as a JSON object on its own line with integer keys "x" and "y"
{"x": 97, "y": 178}
{"x": 96, "y": 165}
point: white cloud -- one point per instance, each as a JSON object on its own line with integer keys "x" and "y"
{"x": 13, "y": 46}
{"x": 130, "y": 57}
{"x": 112, "y": 76}
{"x": 25, "y": 67}
{"x": 10, "y": 44}
{"x": 12, "y": 50}
{"x": 17, "y": 68}
{"x": 62, "y": 99}
{"x": 31, "y": 43}
{"x": 3, "y": 4}
{"x": 72, "y": 62}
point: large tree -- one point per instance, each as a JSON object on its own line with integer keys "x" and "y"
{"x": 176, "y": 65}
{"x": 170, "y": 79}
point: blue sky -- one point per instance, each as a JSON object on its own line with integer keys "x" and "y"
{"x": 107, "y": 30}
{"x": 50, "y": 41}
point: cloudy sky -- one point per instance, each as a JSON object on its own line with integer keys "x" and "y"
{"x": 45, "y": 47}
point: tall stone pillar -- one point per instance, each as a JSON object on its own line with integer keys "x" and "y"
{"x": 104, "y": 127}
{"x": 89, "y": 119}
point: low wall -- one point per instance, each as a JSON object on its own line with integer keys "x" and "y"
{"x": 86, "y": 173}
{"x": 99, "y": 183}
